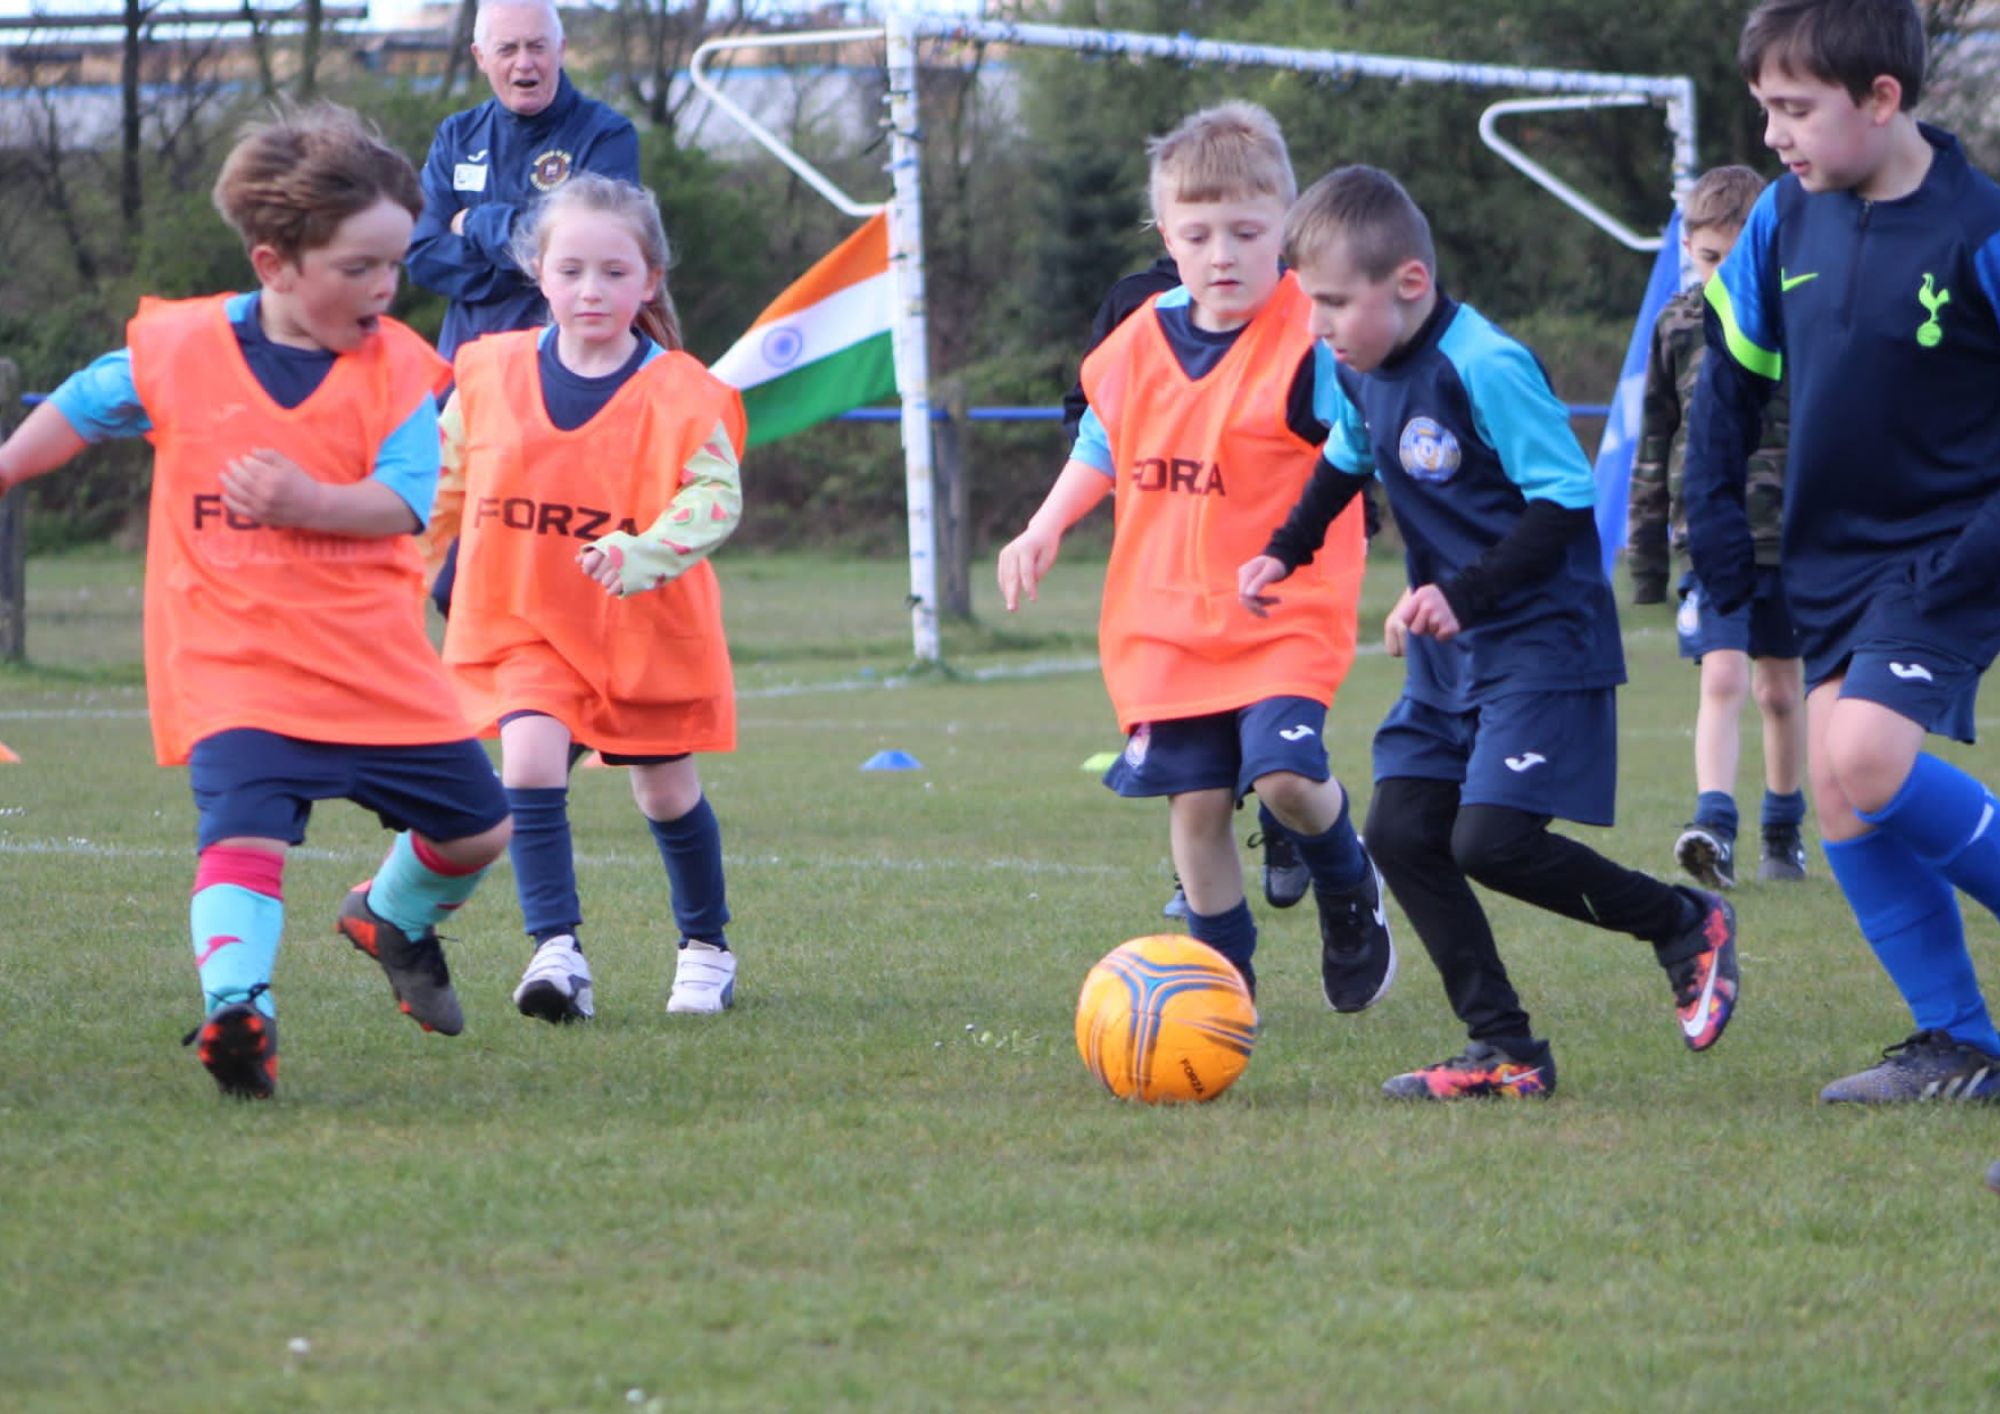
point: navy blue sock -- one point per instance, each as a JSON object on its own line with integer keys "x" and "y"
{"x": 1783, "y": 812}
{"x": 544, "y": 864}
{"x": 1334, "y": 858}
{"x": 1947, "y": 817}
{"x": 1233, "y": 934}
{"x": 691, "y": 847}
{"x": 1909, "y": 915}
{"x": 1717, "y": 810}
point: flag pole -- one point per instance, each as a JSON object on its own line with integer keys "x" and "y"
{"x": 906, "y": 275}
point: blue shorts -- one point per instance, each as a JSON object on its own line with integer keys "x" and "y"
{"x": 1762, "y": 628}
{"x": 260, "y": 785}
{"x": 1938, "y": 691}
{"x": 1545, "y": 753}
{"x": 1224, "y": 750}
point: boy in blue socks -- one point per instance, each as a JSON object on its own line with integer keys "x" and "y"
{"x": 1868, "y": 278}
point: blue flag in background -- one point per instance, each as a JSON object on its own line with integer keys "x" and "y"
{"x": 1621, "y": 426}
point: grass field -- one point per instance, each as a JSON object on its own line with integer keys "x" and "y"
{"x": 885, "y": 1181}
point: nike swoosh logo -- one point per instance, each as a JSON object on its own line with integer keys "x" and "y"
{"x": 1907, "y": 671}
{"x": 215, "y": 945}
{"x": 1521, "y": 1077}
{"x": 1525, "y": 760}
{"x": 1694, "y": 1028}
{"x": 1296, "y": 733}
{"x": 1792, "y": 282}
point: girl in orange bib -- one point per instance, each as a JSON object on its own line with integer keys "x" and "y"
{"x": 597, "y": 470}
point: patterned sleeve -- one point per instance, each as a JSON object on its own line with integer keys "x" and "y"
{"x": 448, "y": 507}
{"x": 1648, "y": 510}
{"x": 703, "y": 514}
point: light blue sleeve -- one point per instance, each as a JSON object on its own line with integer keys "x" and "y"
{"x": 1347, "y": 447}
{"x": 1518, "y": 415}
{"x": 407, "y": 462}
{"x": 101, "y": 401}
{"x": 1093, "y": 443}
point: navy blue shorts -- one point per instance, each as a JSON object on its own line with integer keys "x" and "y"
{"x": 1224, "y": 750}
{"x": 260, "y": 785}
{"x": 1762, "y": 628}
{"x": 1938, "y": 691}
{"x": 1545, "y": 753}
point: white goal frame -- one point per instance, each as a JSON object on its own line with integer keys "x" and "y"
{"x": 903, "y": 29}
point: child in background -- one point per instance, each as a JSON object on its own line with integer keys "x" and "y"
{"x": 1507, "y": 716}
{"x": 600, "y": 472}
{"x": 1868, "y": 278}
{"x": 296, "y": 451}
{"x": 1202, "y": 422}
{"x": 1755, "y": 648}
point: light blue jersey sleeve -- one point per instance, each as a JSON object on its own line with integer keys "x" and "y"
{"x": 1744, "y": 293}
{"x": 1347, "y": 448}
{"x": 100, "y": 400}
{"x": 408, "y": 459}
{"x": 1093, "y": 443}
{"x": 1518, "y": 415}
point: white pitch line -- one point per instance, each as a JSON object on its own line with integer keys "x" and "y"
{"x": 75, "y": 847}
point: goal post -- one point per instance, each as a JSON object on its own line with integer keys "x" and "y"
{"x": 904, "y": 29}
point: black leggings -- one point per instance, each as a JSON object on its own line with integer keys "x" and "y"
{"x": 1428, "y": 847}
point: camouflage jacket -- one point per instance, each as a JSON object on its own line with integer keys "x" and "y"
{"x": 1658, "y": 514}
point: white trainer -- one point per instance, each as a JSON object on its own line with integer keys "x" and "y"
{"x": 556, "y": 987}
{"x": 704, "y": 979}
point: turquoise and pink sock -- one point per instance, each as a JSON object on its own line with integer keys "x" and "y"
{"x": 235, "y": 917}
{"x": 417, "y": 888}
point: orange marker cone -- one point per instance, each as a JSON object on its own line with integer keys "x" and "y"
{"x": 8, "y": 758}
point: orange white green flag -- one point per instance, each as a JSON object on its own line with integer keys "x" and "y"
{"x": 824, "y": 345}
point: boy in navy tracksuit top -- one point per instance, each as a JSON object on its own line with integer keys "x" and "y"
{"x": 1508, "y": 716}
{"x": 1869, "y": 278}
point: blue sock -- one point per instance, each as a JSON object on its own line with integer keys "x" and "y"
{"x": 1233, "y": 934}
{"x": 1784, "y": 812}
{"x": 1334, "y": 858}
{"x": 415, "y": 889}
{"x": 692, "y": 850}
{"x": 544, "y": 863}
{"x": 235, "y": 917}
{"x": 1947, "y": 817}
{"x": 1717, "y": 810}
{"x": 1909, "y": 915}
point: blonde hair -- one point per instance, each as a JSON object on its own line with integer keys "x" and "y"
{"x": 1365, "y": 210}
{"x": 621, "y": 201}
{"x": 1227, "y": 152}
{"x": 1721, "y": 200}
{"x": 290, "y": 182}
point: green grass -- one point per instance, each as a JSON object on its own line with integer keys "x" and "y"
{"x": 885, "y": 1181}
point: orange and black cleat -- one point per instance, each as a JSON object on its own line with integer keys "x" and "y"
{"x": 239, "y": 1046}
{"x": 1706, "y": 983}
{"x": 415, "y": 966}
{"x": 1483, "y": 1070}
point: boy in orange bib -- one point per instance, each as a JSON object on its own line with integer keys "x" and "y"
{"x": 1202, "y": 425}
{"x": 295, "y": 439}
{"x": 599, "y": 470}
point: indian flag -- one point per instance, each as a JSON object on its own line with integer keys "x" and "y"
{"x": 823, "y": 346}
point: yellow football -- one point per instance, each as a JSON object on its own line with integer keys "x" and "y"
{"x": 1166, "y": 1020}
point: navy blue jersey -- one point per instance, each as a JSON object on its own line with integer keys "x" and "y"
{"x": 1465, "y": 432}
{"x": 572, "y": 399}
{"x": 494, "y": 166}
{"x": 1881, "y": 315}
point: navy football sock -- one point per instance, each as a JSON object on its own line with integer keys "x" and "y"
{"x": 1233, "y": 933}
{"x": 544, "y": 861}
{"x": 1334, "y": 857}
{"x": 691, "y": 848}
